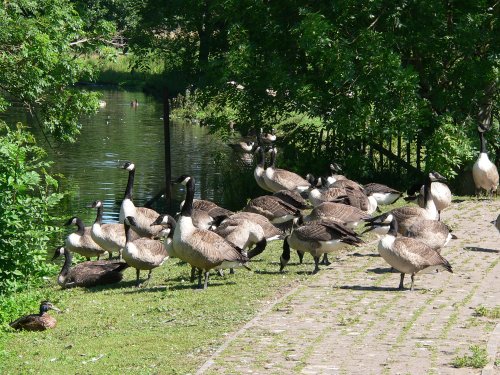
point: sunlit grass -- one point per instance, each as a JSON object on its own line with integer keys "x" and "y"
{"x": 165, "y": 327}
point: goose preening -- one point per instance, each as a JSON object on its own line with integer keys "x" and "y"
{"x": 318, "y": 238}
{"x": 408, "y": 255}
{"x": 277, "y": 179}
{"x": 383, "y": 194}
{"x": 440, "y": 193}
{"x": 271, "y": 232}
{"x": 111, "y": 237}
{"x": 433, "y": 233}
{"x": 37, "y": 322}
{"x": 143, "y": 216}
{"x": 484, "y": 172}
{"x": 276, "y": 210}
{"x": 142, "y": 253}
{"x": 88, "y": 274}
{"x": 408, "y": 215}
{"x": 243, "y": 233}
{"x": 343, "y": 213}
{"x": 201, "y": 248}
{"x": 81, "y": 241}
{"x": 293, "y": 198}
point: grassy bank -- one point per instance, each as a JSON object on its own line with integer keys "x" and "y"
{"x": 166, "y": 327}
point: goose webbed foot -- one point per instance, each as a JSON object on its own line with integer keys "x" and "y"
{"x": 401, "y": 282}
{"x": 325, "y": 260}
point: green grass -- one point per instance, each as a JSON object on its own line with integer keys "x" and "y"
{"x": 493, "y": 313}
{"x": 165, "y": 327}
{"x": 477, "y": 359}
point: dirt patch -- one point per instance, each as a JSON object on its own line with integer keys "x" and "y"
{"x": 350, "y": 319}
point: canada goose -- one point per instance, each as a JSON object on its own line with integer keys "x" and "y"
{"x": 273, "y": 208}
{"x": 484, "y": 172}
{"x": 383, "y": 194}
{"x": 211, "y": 208}
{"x": 346, "y": 183}
{"x": 242, "y": 146}
{"x": 434, "y": 234}
{"x": 111, "y": 237}
{"x": 408, "y": 255}
{"x": 440, "y": 193}
{"x": 37, "y": 322}
{"x": 201, "y": 248}
{"x": 293, "y": 198}
{"x": 318, "y": 238}
{"x": 142, "y": 253}
{"x": 143, "y": 217}
{"x": 243, "y": 233}
{"x": 81, "y": 241}
{"x": 168, "y": 223}
{"x": 408, "y": 215}
{"x": 267, "y": 138}
{"x": 206, "y": 214}
{"x": 334, "y": 174}
{"x": 260, "y": 169}
{"x": 281, "y": 179}
{"x": 88, "y": 274}
{"x": 271, "y": 232}
{"x": 337, "y": 211}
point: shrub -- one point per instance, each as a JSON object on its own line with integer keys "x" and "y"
{"x": 28, "y": 194}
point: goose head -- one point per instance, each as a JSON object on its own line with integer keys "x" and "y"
{"x": 58, "y": 252}
{"x": 437, "y": 177}
{"x": 335, "y": 168}
{"x": 184, "y": 179}
{"x": 72, "y": 221}
{"x": 128, "y": 165}
{"x": 96, "y": 204}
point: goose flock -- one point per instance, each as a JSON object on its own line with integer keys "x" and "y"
{"x": 318, "y": 216}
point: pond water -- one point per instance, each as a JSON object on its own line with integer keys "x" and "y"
{"x": 120, "y": 132}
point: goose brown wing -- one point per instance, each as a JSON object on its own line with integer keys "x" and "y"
{"x": 211, "y": 208}
{"x": 215, "y": 248}
{"x": 408, "y": 212}
{"x": 270, "y": 230}
{"x": 340, "y": 211}
{"x": 114, "y": 232}
{"x": 154, "y": 248}
{"x": 289, "y": 179}
{"x": 332, "y": 193}
{"x": 347, "y": 183}
{"x": 291, "y": 197}
{"x": 379, "y": 188}
{"x": 422, "y": 255}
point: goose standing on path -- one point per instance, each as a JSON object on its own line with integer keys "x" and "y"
{"x": 37, "y": 322}
{"x": 143, "y": 216}
{"x": 408, "y": 215}
{"x": 408, "y": 255}
{"x": 318, "y": 238}
{"x": 111, "y": 237}
{"x": 88, "y": 274}
{"x": 484, "y": 172}
{"x": 142, "y": 253}
{"x": 81, "y": 241}
{"x": 280, "y": 179}
{"x": 201, "y": 248}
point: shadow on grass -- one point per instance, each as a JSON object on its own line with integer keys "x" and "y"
{"x": 364, "y": 255}
{"x": 481, "y": 249}
{"x": 380, "y": 270}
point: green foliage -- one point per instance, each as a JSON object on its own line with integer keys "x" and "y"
{"x": 26, "y": 225}
{"x": 477, "y": 359}
{"x": 41, "y": 48}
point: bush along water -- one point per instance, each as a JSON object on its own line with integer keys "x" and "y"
{"x": 28, "y": 195}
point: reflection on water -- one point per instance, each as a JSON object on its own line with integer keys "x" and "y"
{"x": 122, "y": 132}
